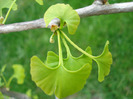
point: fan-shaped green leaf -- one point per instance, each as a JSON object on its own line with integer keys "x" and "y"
{"x": 7, "y": 4}
{"x": 66, "y": 14}
{"x": 19, "y": 73}
{"x": 54, "y": 78}
{"x": 39, "y": 2}
{"x": 78, "y": 62}
{"x": 104, "y": 62}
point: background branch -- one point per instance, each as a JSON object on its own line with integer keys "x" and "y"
{"x": 15, "y": 95}
{"x": 97, "y": 8}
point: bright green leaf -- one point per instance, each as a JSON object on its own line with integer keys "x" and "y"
{"x": 1, "y": 96}
{"x": 19, "y": 73}
{"x": 7, "y": 4}
{"x": 72, "y": 63}
{"x": 39, "y": 2}
{"x": 66, "y": 14}
{"x": 104, "y": 62}
{"x": 61, "y": 80}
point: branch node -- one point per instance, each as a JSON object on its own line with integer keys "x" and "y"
{"x": 98, "y": 2}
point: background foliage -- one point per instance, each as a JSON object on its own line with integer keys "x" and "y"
{"x": 19, "y": 47}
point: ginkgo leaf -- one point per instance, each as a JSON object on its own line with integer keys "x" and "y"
{"x": 18, "y": 73}
{"x": 7, "y": 4}
{"x": 63, "y": 80}
{"x": 78, "y": 62}
{"x": 39, "y": 2}
{"x": 104, "y": 62}
{"x": 66, "y": 14}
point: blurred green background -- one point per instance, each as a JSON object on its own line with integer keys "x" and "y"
{"x": 19, "y": 47}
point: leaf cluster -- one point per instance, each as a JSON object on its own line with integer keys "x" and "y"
{"x": 66, "y": 76}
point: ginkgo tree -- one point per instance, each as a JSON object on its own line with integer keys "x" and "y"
{"x": 53, "y": 75}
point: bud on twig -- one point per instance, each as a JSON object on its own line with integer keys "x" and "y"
{"x": 54, "y": 28}
{"x": 51, "y": 40}
{"x": 1, "y": 19}
{"x": 101, "y": 2}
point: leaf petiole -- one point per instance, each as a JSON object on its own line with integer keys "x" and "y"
{"x": 60, "y": 49}
{"x": 9, "y": 11}
{"x": 9, "y": 81}
{"x": 66, "y": 46}
{"x": 78, "y": 48}
{"x": 61, "y": 24}
{"x": 3, "y": 78}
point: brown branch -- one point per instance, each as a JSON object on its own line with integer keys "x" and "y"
{"x": 97, "y": 8}
{"x": 15, "y": 95}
